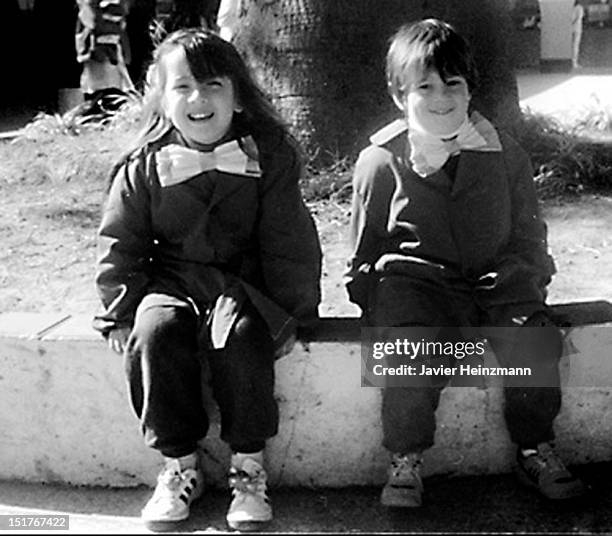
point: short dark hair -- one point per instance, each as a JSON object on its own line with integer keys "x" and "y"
{"x": 428, "y": 44}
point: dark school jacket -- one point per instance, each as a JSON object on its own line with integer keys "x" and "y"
{"x": 474, "y": 224}
{"x": 213, "y": 240}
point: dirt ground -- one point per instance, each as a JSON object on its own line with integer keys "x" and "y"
{"x": 47, "y": 233}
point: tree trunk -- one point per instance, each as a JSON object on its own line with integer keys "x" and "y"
{"x": 322, "y": 62}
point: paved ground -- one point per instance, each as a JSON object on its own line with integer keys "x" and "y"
{"x": 567, "y": 96}
{"x": 487, "y": 504}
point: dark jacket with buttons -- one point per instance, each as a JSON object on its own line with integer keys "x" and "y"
{"x": 472, "y": 225}
{"x": 213, "y": 240}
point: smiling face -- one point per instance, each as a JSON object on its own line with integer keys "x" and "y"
{"x": 434, "y": 105}
{"x": 201, "y": 110}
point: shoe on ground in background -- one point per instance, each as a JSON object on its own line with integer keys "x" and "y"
{"x": 175, "y": 491}
{"x": 99, "y": 106}
{"x": 404, "y": 487}
{"x": 250, "y": 507}
{"x": 541, "y": 468}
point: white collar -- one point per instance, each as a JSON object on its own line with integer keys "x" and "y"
{"x": 428, "y": 153}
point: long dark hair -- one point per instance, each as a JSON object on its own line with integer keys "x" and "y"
{"x": 208, "y": 55}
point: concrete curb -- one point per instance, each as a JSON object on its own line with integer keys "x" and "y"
{"x": 67, "y": 417}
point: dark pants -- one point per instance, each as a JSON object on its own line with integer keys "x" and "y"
{"x": 408, "y": 413}
{"x": 166, "y": 356}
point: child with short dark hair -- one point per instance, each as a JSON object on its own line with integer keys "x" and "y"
{"x": 209, "y": 259}
{"x": 446, "y": 231}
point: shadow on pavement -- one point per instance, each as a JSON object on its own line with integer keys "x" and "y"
{"x": 487, "y": 503}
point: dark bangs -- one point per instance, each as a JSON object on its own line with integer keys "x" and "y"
{"x": 209, "y": 57}
{"x": 449, "y": 58}
{"x": 429, "y": 44}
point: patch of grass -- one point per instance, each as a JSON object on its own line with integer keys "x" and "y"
{"x": 331, "y": 182}
{"x": 568, "y": 160}
{"x": 596, "y": 118}
{"x": 64, "y": 148}
{"x": 73, "y": 123}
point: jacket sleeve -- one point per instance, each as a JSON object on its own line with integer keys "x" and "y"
{"x": 290, "y": 252}
{"x": 372, "y": 189}
{"x": 124, "y": 247}
{"x": 525, "y": 265}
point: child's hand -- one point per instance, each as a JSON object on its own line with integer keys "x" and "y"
{"x": 287, "y": 347}
{"x": 117, "y": 339}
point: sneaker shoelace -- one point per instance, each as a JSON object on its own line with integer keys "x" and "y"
{"x": 172, "y": 481}
{"x": 242, "y": 482}
{"x": 546, "y": 458}
{"x": 550, "y": 459}
{"x": 408, "y": 463}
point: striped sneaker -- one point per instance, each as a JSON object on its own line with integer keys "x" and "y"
{"x": 175, "y": 491}
{"x": 250, "y": 506}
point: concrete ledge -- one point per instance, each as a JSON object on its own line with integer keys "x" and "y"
{"x": 66, "y": 416}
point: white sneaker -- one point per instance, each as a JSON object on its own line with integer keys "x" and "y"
{"x": 250, "y": 505}
{"x": 175, "y": 491}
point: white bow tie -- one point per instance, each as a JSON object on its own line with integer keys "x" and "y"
{"x": 176, "y": 164}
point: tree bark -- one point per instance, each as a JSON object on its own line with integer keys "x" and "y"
{"x": 322, "y": 62}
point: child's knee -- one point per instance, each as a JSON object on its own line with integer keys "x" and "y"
{"x": 162, "y": 327}
{"x": 250, "y": 335}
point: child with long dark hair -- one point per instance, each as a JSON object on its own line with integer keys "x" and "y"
{"x": 209, "y": 259}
